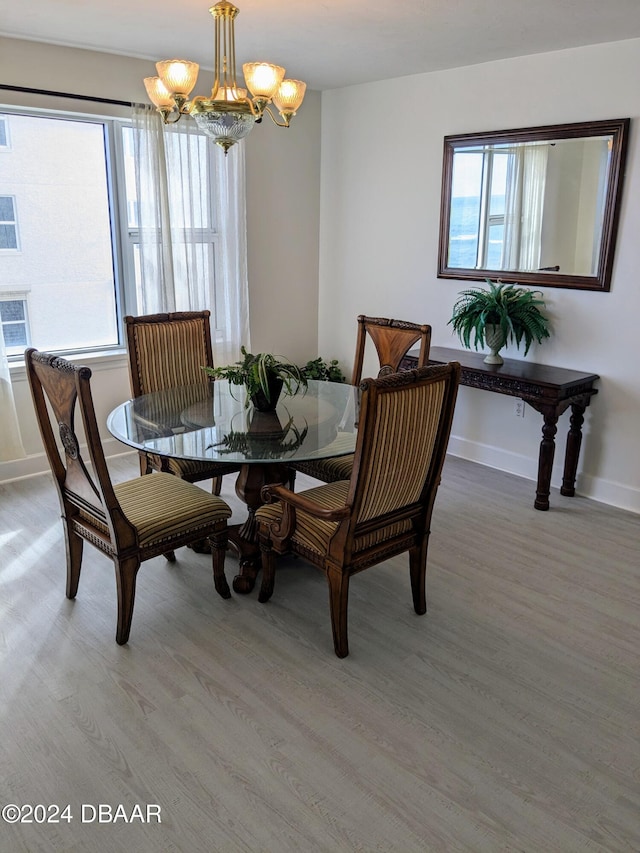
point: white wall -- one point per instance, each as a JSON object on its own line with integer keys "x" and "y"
{"x": 283, "y": 175}
{"x": 380, "y": 206}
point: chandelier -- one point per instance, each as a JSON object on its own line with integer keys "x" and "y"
{"x": 229, "y": 114}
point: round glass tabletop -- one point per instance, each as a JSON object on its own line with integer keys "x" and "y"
{"x": 211, "y": 422}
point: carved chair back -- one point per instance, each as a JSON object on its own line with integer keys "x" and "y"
{"x": 392, "y": 339}
{"x": 82, "y": 490}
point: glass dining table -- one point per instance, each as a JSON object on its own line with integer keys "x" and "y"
{"x": 211, "y": 422}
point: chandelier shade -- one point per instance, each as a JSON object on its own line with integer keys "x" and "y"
{"x": 263, "y": 80}
{"x": 229, "y": 114}
{"x": 179, "y": 76}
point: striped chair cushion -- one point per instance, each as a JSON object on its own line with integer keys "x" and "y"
{"x": 161, "y": 506}
{"x": 334, "y": 467}
{"x": 315, "y": 534}
{"x": 328, "y": 470}
{"x": 188, "y": 468}
{"x": 400, "y": 456}
{"x": 173, "y": 354}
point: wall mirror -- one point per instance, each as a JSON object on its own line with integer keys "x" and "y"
{"x": 538, "y": 206}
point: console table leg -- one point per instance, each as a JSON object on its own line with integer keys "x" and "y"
{"x": 574, "y": 440}
{"x": 545, "y": 461}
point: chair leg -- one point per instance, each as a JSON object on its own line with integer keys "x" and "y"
{"x": 268, "y": 575}
{"x": 216, "y": 486}
{"x": 418, "y": 572}
{"x": 145, "y": 468}
{"x": 74, "y": 545}
{"x": 126, "y": 572}
{"x": 218, "y": 542}
{"x": 338, "y": 602}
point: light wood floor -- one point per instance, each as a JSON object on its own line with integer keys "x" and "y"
{"x": 506, "y": 719}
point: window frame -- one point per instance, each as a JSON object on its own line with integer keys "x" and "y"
{"x": 20, "y": 296}
{"x": 14, "y": 222}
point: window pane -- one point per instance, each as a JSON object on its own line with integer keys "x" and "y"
{"x": 187, "y": 159}
{"x": 494, "y": 249}
{"x": 498, "y": 183}
{"x": 3, "y": 133}
{"x": 12, "y": 309}
{"x": 15, "y": 335}
{"x": 6, "y": 209}
{"x": 8, "y": 237}
{"x": 465, "y": 210}
{"x": 56, "y": 171}
{"x": 133, "y": 220}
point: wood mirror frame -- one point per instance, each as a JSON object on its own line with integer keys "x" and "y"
{"x": 616, "y": 132}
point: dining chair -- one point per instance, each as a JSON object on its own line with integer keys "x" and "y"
{"x": 385, "y": 508}
{"x": 129, "y": 522}
{"x": 392, "y": 339}
{"x": 169, "y": 351}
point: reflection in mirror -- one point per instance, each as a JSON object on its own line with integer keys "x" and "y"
{"x": 540, "y": 204}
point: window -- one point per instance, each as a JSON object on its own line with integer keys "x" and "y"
{"x": 15, "y": 326}
{"x": 8, "y": 225}
{"x": 57, "y": 176}
{"x": 189, "y": 217}
{"x": 4, "y": 132}
{"x": 477, "y": 221}
{"x": 72, "y": 180}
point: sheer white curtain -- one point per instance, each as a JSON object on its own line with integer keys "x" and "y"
{"x": 192, "y": 224}
{"x": 524, "y": 204}
{"x": 10, "y": 441}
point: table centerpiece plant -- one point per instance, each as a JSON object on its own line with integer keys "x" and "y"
{"x": 264, "y": 377}
{"x": 499, "y": 314}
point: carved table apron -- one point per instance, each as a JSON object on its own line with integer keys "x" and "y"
{"x": 549, "y": 390}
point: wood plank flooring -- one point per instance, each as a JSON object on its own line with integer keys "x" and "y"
{"x": 506, "y": 719}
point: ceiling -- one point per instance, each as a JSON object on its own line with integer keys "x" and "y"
{"x": 329, "y": 43}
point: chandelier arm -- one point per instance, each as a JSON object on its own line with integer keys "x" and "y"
{"x": 285, "y": 123}
{"x": 167, "y": 113}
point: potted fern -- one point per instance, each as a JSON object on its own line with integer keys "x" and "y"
{"x": 264, "y": 376}
{"x": 499, "y": 314}
{"x": 326, "y": 371}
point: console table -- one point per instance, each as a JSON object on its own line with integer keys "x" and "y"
{"x": 549, "y": 390}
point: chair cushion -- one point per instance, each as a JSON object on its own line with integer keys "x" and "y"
{"x": 161, "y": 506}
{"x": 328, "y": 470}
{"x": 331, "y": 468}
{"x": 314, "y": 534}
{"x": 192, "y": 469}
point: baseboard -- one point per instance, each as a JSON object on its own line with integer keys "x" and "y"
{"x": 609, "y": 492}
{"x": 37, "y": 463}
{"x": 595, "y": 488}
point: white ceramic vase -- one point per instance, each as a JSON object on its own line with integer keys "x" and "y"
{"x": 495, "y": 340}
